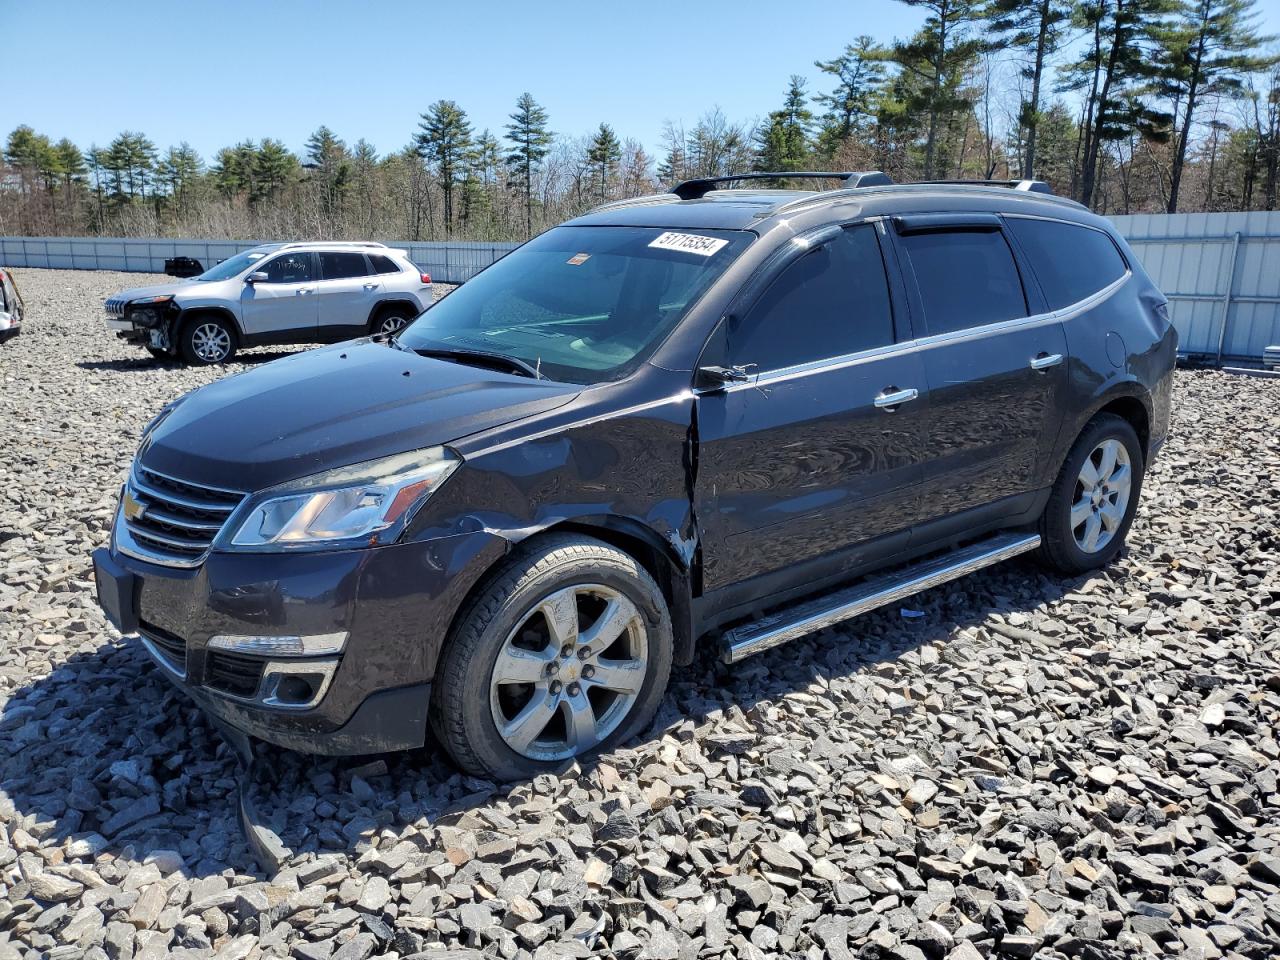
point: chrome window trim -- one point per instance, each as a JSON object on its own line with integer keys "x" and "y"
{"x": 928, "y": 343}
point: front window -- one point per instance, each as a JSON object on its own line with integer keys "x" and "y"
{"x": 581, "y": 304}
{"x": 234, "y": 266}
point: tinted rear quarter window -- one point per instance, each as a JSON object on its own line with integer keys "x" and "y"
{"x": 337, "y": 266}
{"x": 966, "y": 278}
{"x": 1071, "y": 262}
{"x": 383, "y": 264}
{"x": 832, "y": 301}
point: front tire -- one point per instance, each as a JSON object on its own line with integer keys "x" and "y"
{"x": 1093, "y": 501}
{"x": 207, "y": 340}
{"x": 564, "y": 654}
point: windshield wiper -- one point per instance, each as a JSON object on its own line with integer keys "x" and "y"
{"x": 482, "y": 358}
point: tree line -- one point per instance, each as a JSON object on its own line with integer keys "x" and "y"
{"x": 1126, "y": 105}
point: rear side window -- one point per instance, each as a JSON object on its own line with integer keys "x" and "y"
{"x": 337, "y": 266}
{"x": 967, "y": 278}
{"x": 832, "y": 301}
{"x": 1070, "y": 261}
{"x": 383, "y": 264}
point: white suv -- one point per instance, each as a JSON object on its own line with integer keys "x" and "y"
{"x": 274, "y": 293}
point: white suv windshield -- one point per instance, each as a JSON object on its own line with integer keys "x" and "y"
{"x": 580, "y": 304}
{"x": 234, "y": 266}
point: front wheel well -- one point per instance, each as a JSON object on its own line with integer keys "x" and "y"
{"x": 658, "y": 562}
{"x": 195, "y": 313}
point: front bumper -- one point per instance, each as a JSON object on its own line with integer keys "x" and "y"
{"x": 394, "y": 604}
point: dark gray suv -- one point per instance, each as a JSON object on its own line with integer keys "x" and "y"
{"x": 715, "y": 416}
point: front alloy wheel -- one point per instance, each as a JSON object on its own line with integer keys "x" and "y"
{"x": 206, "y": 341}
{"x": 565, "y": 653}
{"x": 558, "y": 688}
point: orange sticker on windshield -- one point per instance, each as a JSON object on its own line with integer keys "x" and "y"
{"x": 578, "y": 259}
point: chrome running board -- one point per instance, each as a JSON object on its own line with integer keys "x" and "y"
{"x": 810, "y": 615}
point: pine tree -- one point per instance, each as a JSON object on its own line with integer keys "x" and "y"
{"x": 530, "y": 141}
{"x": 330, "y": 164}
{"x": 850, "y": 107}
{"x": 273, "y": 167}
{"x": 1116, "y": 66}
{"x": 1034, "y": 29}
{"x": 178, "y": 170}
{"x": 783, "y": 142}
{"x": 1205, "y": 53}
{"x": 603, "y": 155}
{"x": 937, "y": 59}
{"x": 444, "y": 140}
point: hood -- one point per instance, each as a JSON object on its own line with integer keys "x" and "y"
{"x": 332, "y": 407}
{"x": 158, "y": 290}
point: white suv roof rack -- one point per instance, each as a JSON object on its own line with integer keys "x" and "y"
{"x": 336, "y": 243}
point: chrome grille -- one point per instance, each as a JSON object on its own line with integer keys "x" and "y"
{"x": 171, "y": 521}
{"x": 114, "y": 307}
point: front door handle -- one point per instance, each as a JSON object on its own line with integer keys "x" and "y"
{"x": 1044, "y": 361}
{"x": 891, "y": 397}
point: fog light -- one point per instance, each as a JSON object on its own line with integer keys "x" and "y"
{"x": 317, "y": 645}
{"x": 297, "y": 688}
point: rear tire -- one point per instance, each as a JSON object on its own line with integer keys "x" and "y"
{"x": 1092, "y": 503}
{"x": 564, "y": 654}
{"x": 206, "y": 340}
{"x": 391, "y": 320}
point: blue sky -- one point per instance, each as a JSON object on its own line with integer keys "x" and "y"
{"x": 213, "y": 73}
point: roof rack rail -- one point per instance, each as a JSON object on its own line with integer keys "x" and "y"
{"x": 1027, "y": 186}
{"x": 700, "y": 187}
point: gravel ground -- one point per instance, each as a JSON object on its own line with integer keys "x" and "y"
{"x": 1013, "y": 765}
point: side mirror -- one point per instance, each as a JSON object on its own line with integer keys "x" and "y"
{"x": 712, "y": 378}
{"x": 258, "y": 276}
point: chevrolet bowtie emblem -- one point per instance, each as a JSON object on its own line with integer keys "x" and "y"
{"x": 133, "y": 508}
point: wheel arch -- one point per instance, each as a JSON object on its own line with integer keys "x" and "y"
{"x": 1128, "y": 399}
{"x": 194, "y": 313}
{"x": 633, "y": 538}
{"x": 383, "y": 306}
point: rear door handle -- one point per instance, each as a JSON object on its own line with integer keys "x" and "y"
{"x": 891, "y": 397}
{"x": 371, "y": 286}
{"x": 1046, "y": 360}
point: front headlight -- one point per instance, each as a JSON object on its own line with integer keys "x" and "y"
{"x": 146, "y": 312}
{"x": 366, "y": 504}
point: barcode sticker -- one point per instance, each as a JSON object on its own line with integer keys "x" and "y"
{"x": 688, "y": 243}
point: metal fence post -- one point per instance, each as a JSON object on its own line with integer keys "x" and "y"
{"x": 1226, "y": 297}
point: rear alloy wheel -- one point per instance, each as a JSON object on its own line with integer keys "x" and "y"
{"x": 1092, "y": 503}
{"x": 563, "y": 655}
{"x": 391, "y": 321}
{"x": 207, "y": 340}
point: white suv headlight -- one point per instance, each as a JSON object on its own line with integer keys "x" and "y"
{"x": 365, "y": 504}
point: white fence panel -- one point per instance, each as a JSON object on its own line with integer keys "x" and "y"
{"x": 1221, "y": 271}
{"x": 446, "y": 262}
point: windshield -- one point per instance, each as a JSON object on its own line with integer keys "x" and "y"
{"x": 580, "y": 304}
{"x": 234, "y": 266}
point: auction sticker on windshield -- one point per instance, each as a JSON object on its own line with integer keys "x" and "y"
{"x": 688, "y": 243}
